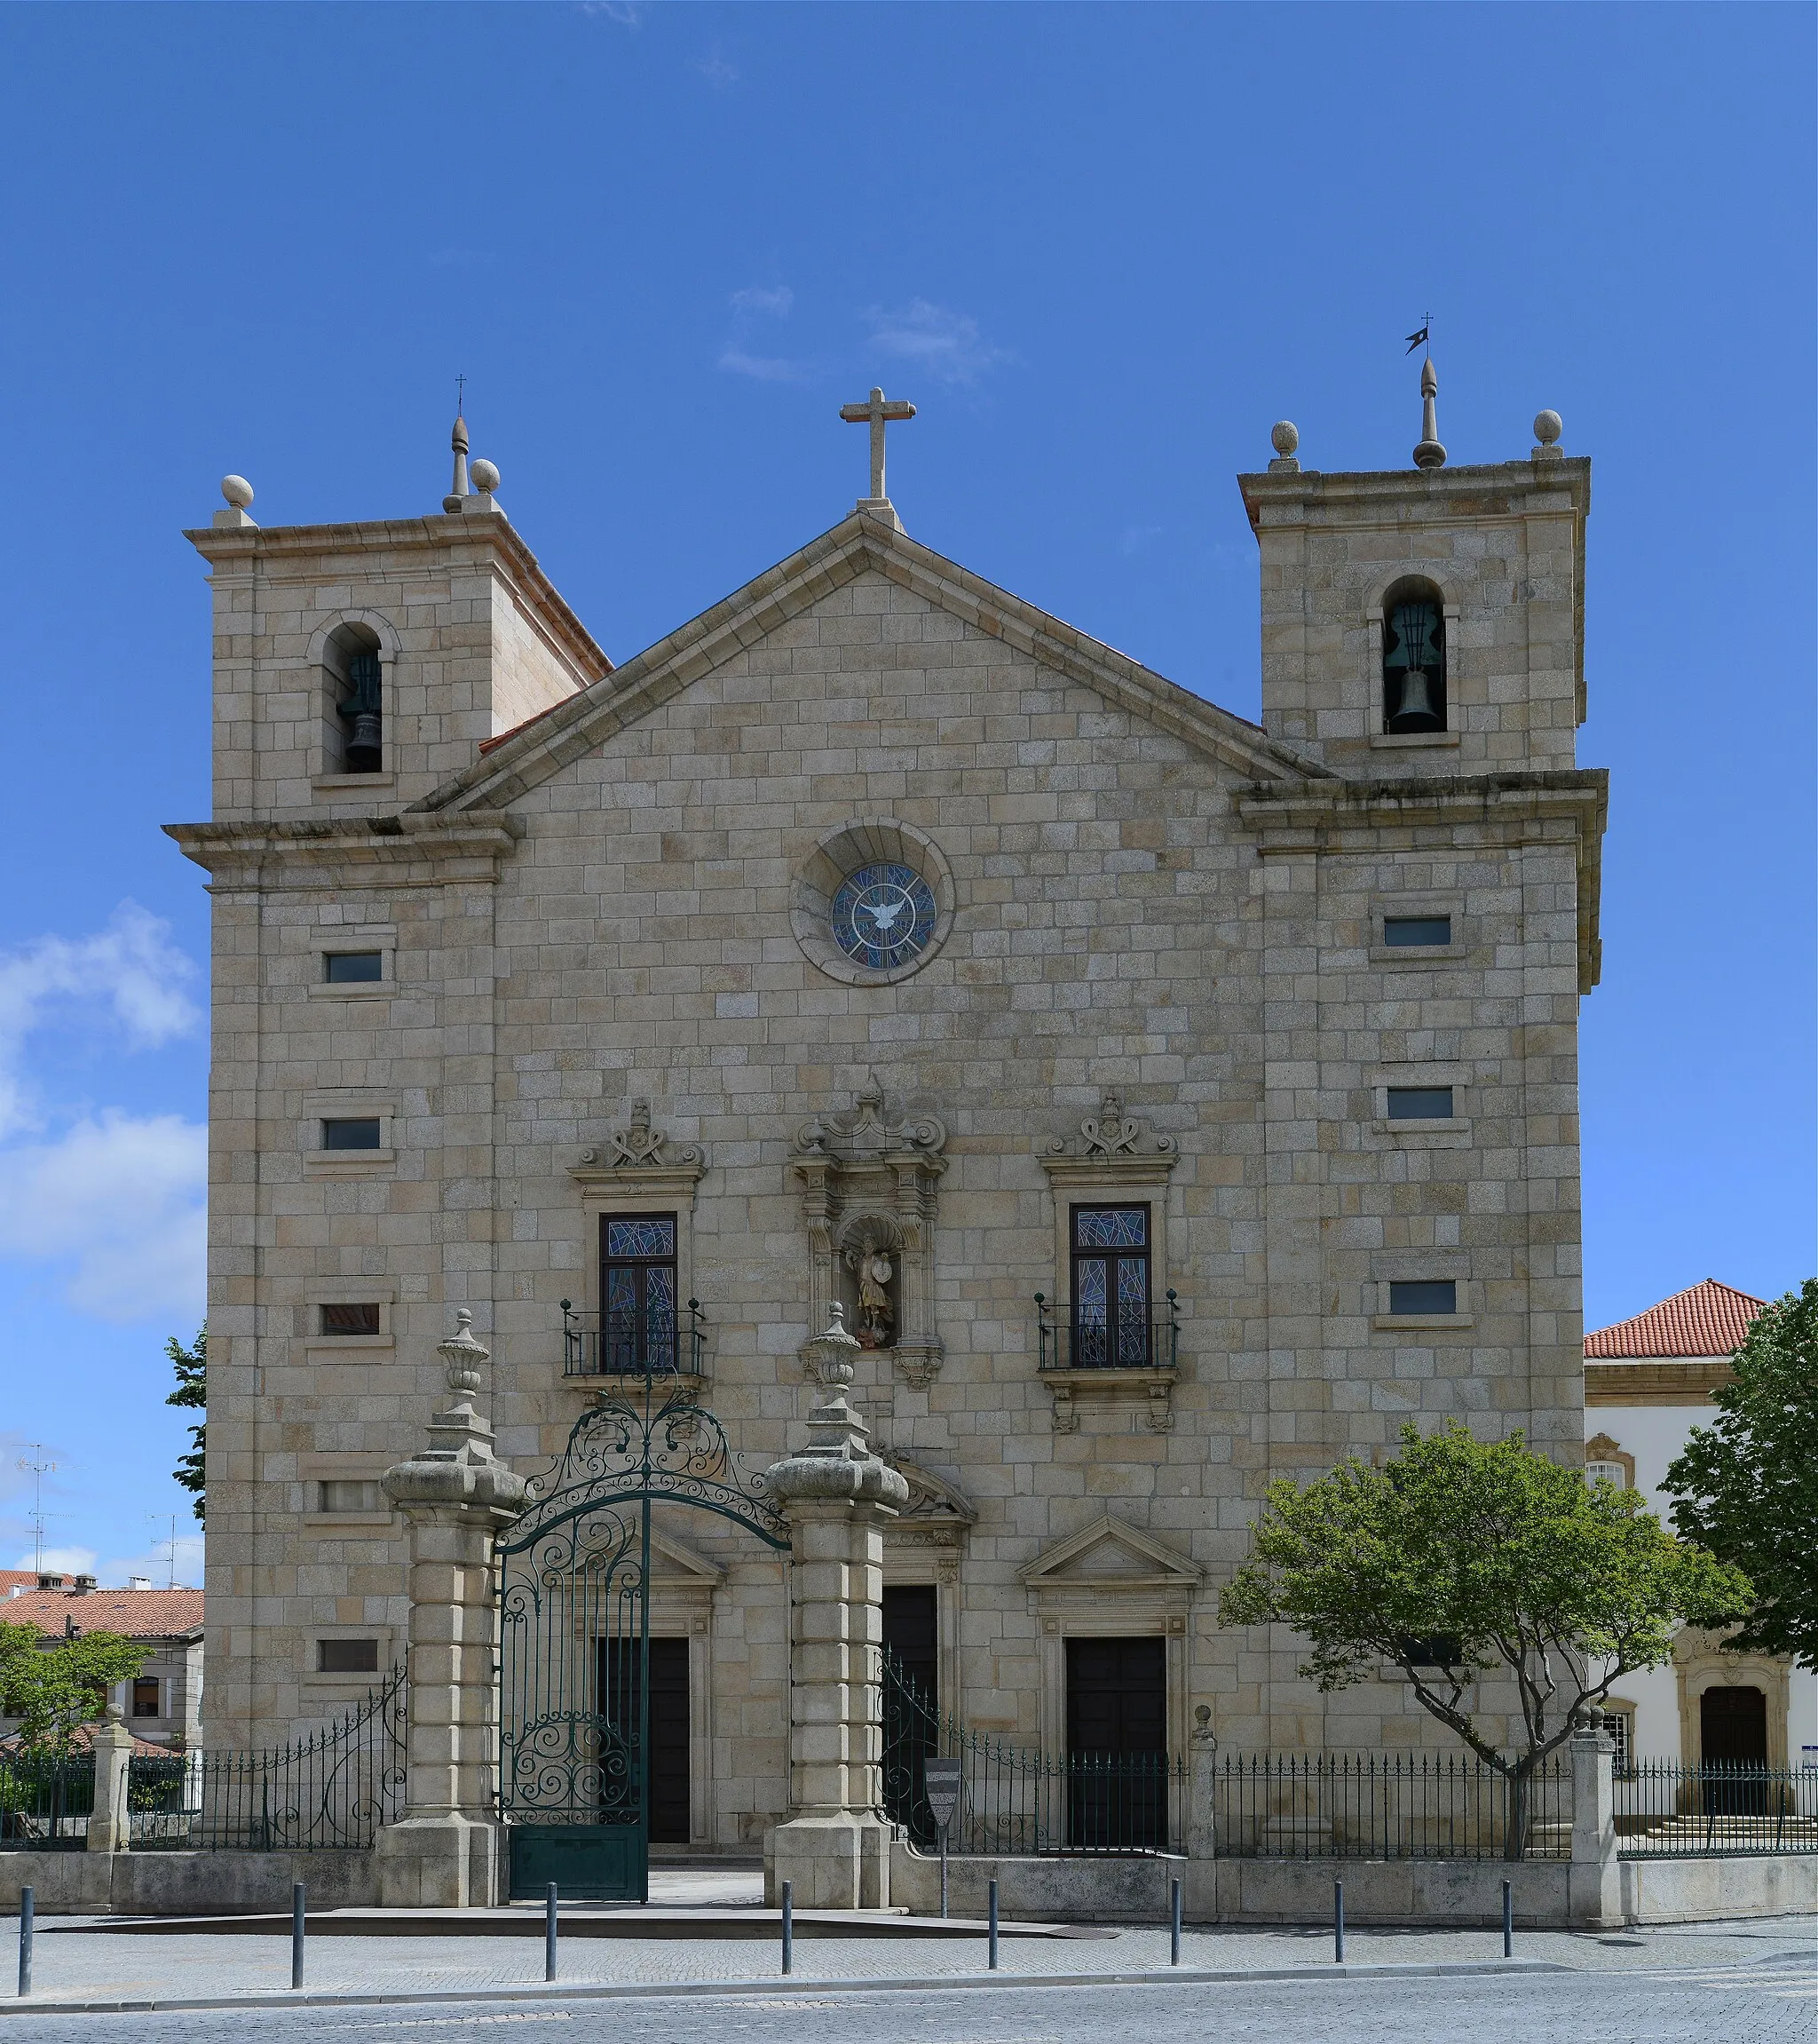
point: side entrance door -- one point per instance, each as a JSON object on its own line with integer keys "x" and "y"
{"x": 1117, "y": 1744}
{"x": 1733, "y": 1744}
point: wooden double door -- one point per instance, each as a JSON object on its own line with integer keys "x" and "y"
{"x": 1118, "y": 1745}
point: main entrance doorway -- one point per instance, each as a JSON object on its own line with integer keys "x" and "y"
{"x": 1733, "y": 1744}
{"x": 593, "y": 1711}
{"x": 1117, "y": 1712}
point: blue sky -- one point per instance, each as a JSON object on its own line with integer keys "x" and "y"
{"x": 1103, "y": 249}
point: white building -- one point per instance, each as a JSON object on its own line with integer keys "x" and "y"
{"x": 1648, "y": 1382}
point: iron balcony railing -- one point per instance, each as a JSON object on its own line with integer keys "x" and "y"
{"x": 46, "y": 1800}
{"x": 1384, "y": 1806}
{"x": 1667, "y": 1811}
{"x": 1092, "y": 1338}
{"x": 332, "y": 1789}
{"x": 656, "y": 1345}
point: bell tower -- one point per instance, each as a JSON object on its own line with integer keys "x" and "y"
{"x": 1427, "y": 620}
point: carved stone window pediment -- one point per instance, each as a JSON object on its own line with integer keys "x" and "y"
{"x": 642, "y": 1152}
{"x": 869, "y": 1181}
{"x": 1111, "y": 1146}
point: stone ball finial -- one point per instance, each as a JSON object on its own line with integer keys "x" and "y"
{"x": 1547, "y": 427}
{"x": 237, "y": 491}
{"x": 1284, "y": 437}
{"x": 486, "y": 476}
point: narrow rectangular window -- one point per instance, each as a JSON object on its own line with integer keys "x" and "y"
{"x": 145, "y": 1696}
{"x": 347, "y": 1657}
{"x": 1420, "y": 1102}
{"x": 1417, "y": 930}
{"x": 639, "y": 1323}
{"x": 356, "y": 1132}
{"x": 1111, "y": 1316}
{"x": 346, "y": 967}
{"x": 350, "y": 1494}
{"x": 359, "y": 1317}
{"x": 1424, "y": 1295}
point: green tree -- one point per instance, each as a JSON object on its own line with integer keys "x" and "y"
{"x": 1459, "y": 1559}
{"x": 1747, "y": 1487}
{"x": 52, "y": 1690}
{"x": 192, "y": 1367}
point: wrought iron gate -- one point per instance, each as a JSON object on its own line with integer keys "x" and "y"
{"x": 573, "y": 1577}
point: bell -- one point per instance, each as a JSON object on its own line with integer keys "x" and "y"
{"x": 1415, "y": 711}
{"x": 365, "y": 745}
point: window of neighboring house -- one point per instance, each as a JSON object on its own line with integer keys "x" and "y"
{"x": 1110, "y": 1288}
{"x": 145, "y": 1696}
{"x": 346, "y": 968}
{"x": 360, "y": 1317}
{"x": 1423, "y": 1296}
{"x": 350, "y": 1494}
{"x": 347, "y": 1657}
{"x": 639, "y": 1323}
{"x": 1611, "y": 1473}
{"x": 356, "y": 1132}
{"x": 1420, "y": 1102}
{"x": 1417, "y": 930}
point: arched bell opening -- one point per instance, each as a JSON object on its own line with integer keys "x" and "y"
{"x": 354, "y": 680}
{"x": 1413, "y": 657}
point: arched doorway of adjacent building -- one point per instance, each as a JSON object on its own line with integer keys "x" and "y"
{"x": 1733, "y": 1747}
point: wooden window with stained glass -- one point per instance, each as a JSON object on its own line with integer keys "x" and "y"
{"x": 639, "y": 1325}
{"x": 1110, "y": 1288}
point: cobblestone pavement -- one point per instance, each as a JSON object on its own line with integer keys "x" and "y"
{"x": 1734, "y": 1982}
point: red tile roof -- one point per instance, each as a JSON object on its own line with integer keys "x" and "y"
{"x": 1710, "y": 1319}
{"x": 12, "y": 1579}
{"x": 138, "y": 1614}
{"x": 81, "y": 1739}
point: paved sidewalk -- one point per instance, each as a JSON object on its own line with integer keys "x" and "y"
{"x": 96, "y": 1967}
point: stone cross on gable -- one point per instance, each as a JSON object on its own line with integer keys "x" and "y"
{"x": 877, "y": 411}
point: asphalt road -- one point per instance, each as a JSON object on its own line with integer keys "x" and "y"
{"x": 1762, "y": 2000}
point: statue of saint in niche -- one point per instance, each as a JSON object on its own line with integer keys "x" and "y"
{"x": 877, "y": 1314}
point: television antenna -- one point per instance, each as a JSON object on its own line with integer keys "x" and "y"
{"x": 36, "y": 1467}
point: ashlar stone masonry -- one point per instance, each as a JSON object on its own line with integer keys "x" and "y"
{"x": 1152, "y": 960}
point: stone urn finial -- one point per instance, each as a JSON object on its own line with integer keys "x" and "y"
{"x": 463, "y": 1355}
{"x": 832, "y": 1355}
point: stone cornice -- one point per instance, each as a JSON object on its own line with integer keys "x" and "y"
{"x": 1396, "y": 496}
{"x": 1657, "y": 1384}
{"x": 1331, "y": 816}
{"x": 475, "y": 542}
{"x": 422, "y": 850}
{"x": 858, "y": 544}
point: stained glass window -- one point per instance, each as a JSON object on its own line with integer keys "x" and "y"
{"x": 638, "y": 1292}
{"x": 1110, "y": 1288}
{"x": 883, "y": 915}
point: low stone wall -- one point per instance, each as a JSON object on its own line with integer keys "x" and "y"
{"x": 1695, "y": 1890}
{"x": 1549, "y": 1894}
{"x": 1110, "y": 1890}
{"x": 184, "y": 1883}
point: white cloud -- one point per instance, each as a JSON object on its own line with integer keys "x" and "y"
{"x": 116, "y": 1200}
{"x": 64, "y": 1560}
{"x": 131, "y": 967}
{"x": 626, "y": 16}
{"x": 752, "y": 308}
{"x": 118, "y": 1571}
{"x": 945, "y": 343}
{"x": 120, "y": 1197}
{"x": 714, "y": 69}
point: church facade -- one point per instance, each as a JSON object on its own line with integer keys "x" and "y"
{"x": 1168, "y": 1104}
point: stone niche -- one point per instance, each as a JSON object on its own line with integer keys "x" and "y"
{"x": 869, "y": 1185}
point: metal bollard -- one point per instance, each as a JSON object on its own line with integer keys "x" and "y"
{"x": 1508, "y": 1919}
{"x": 991, "y": 1931}
{"x": 296, "y": 1919}
{"x": 549, "y": 1932}
{"x": 1338, "y": 1923}
{"x": 788, "y": 1926}
{"x": 1174, "y": 1925}
{"x": 26, "y": 1913}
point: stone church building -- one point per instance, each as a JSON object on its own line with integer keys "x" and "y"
{"x": 1169, "y": 1103}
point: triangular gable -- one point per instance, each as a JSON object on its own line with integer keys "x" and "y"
{"x": 932, "y": 1497}
{"x": 1109, "y": 1553}
{"x": 522, "y": 759}
{"x": 679, "y": 1567}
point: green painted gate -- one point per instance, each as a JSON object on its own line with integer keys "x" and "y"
{"x": 572, "y": 1576}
